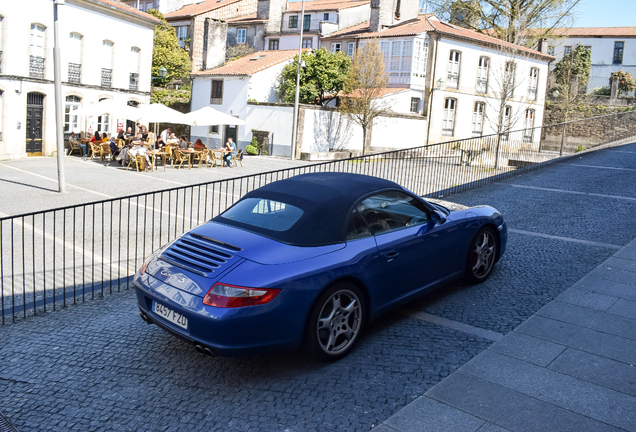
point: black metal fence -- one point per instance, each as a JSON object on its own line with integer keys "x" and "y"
{"x": 54, "y": 258}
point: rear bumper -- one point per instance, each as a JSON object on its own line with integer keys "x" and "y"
{"x": 275, "y": 326}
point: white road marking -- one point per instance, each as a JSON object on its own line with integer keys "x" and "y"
{"x": 571, "y": 192}
{"x": 603, "y": 167}
{"x": 455, "y": 325}
{"x": 568, "y": 239}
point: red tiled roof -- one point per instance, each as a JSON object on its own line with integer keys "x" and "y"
{"x": 251, "y": 64}
{"x": 594, "y": 31}
{"x": 247, "y": 19}
{"x": 124, "y": 7}
{"x": 198, "y": 8}
{"x": 324, "y": 5}
{"x": 425, "y": 23}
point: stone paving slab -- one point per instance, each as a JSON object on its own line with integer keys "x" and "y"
{"x": 570, "y": 367}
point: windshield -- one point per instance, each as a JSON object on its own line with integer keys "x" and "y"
{"x": 264, "y": 213}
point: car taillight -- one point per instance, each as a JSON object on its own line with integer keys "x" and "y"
{"x": 230, "y": 296}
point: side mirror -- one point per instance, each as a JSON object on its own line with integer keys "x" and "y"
{"x": 438, "y": 217}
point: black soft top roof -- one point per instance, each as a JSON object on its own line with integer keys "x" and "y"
{"x": 325, "y": 198}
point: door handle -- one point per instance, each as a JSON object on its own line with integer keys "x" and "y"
{"x": 390, "y": 256}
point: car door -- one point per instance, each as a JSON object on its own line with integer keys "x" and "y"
{"x": 414, "y": 250}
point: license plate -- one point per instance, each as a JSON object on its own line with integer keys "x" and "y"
{"x": 170, "y": 315}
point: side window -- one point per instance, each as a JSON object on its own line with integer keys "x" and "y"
{"x": 391, "y": 210}
{"x": 357, "y": 227}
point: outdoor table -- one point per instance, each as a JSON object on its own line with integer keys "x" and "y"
{"x": 153, "y": 154}
{"x": 191, "y": 152}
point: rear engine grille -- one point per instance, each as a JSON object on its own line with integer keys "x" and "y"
{"x": 197, "y": 255}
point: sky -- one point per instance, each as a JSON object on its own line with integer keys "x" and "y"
{"x": 606, "y": 13}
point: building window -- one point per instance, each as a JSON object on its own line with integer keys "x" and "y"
{"x": 567, "y": 50}
{"x": 528, "y": 126}
{"x": 533, "y": 84}
{"x": 420, "y": 58}
{"x": 182, "y": 35}
{"x": 453, "y": 70}
{"x": 551, "y": 50}
{"x": 307, "y": 42}
{"x": 336, "y": 47}
{"x": 448, "y": 120}
{"x": 273, "y": 44}
{"x": 307, "y": 22}
{"x": 103, "y": 122}
{"x": 588, "y": 48}
{"x": 478, "y": 118}
{"x": 482, "y": 75}
{"x": 415, "y": 105}
{"x": 293, "y": 21}
{"x": 74, "y": 55}
{"x": 213, "y": 129}
{"x": 397, "y": 56}
{"x": 241, "y": 36}
{"x": 618, "y": 52}
{"x": 216, "y": 97}
{"x": 509, "y": 79}
{"x": 134, "y": 69}
{"x": 36, "y": 51}
{"x": 325, "y": 17}
{"x": 350, "y": 48}
{"x": 107, "y": 63}
{"x": 506, "y": 122}
{"x": 71, "y": 120}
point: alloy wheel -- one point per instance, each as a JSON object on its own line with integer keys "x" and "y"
{"x": 339, "y": 322}
{"x": 483, "y": 254}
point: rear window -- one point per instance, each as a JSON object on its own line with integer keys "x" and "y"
{"x": 264, "y": 213}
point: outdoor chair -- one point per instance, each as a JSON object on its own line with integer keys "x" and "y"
{"x": 179, "y": 158}
{"x": 215, "y": 157}
{"x": 199, "y": 157}
{"x": 138, "y": 161}
{"x": 74, "y": 147}
{"x": 237, "y": 159}
{"x": 96, "y": 149}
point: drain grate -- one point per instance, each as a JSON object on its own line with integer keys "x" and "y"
{"x": 5, "y": 425}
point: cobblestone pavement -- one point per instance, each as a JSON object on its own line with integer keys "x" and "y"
{"x": 97, "y": 366}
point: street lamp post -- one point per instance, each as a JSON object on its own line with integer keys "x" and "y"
{"x": 59, "y": 123}
{"x": 297, "y": 96}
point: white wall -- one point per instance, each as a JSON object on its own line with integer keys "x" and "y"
{"x": 276, "y": 119}
{"x": 263, "y": 84}
{"x": 123, "y": 29}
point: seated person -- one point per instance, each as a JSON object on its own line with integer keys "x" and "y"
{"x": 140, "y": 150}
{"x": 138, "y": 139}
{"x": 230, "y": 151}
{"x": 74, "y": 142}
{"x": 114, "y": 149}
{"x": 129, "y": 133}
{"x": 120, "y": 134}
{"x": 198, "y": 145}
{"x": 95, "y": 138}
{"x": 104, "y": 137}
{"x": 173, "y": 139}
{"x": 183, "y": 143}
{"x": 159, "y": 143}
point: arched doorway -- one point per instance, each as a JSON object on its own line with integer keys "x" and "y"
{"x": 35, "y": 112}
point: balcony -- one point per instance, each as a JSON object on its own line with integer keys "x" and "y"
{"x": 134, "y": 81}
{"x": 36, "y": 67}
{"x": 400, "y": 78}
{"x": 74, "y": 73}
{"x": 107, "y": 77}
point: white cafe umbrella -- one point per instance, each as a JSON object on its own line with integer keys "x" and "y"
{"x": 208, "y": 116}
{"x": 159, "y": 113}
{"x": 109, "y": 106}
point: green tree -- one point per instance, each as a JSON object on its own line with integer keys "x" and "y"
{"x": 571, "y": 73}
{"x": 363, "y": 89}
{"x": 167, "y": 53}
{"x": 321, "y": 79}
{"x": 626, "y": 82}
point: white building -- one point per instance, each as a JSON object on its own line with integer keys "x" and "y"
{"x": 321, "y": 17}
{"x": 228, "y": 88}
{"x": 453, "y": 75}
{"x": 613, "y": 49}
{"x": 163, "y": 6}
{"x": 106, "y": 53}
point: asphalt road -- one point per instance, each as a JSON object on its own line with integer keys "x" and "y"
{"x": 97, "y": 366}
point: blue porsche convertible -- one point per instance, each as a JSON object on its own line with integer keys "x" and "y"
{"x": 311, "y": 260}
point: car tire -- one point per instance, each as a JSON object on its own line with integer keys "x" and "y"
{"x": 335, "y": 322}
{"x": 482, "y": 255}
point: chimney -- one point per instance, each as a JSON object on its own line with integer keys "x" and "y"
{"x": 542, "y": 46}
{"x": 272, "y": 11}
{"x": 386, "y": 13}
{"x": 214, "y": 43}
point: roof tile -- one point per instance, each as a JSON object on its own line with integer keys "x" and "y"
{"x": 124, "y": 7}
{"x": 595, "y": 31}
{"x": 251, "y": 64}
{"x": 324, "y": 5}
{"x": 199, "y": 8}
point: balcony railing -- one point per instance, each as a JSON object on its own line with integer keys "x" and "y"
{"x": 36, "y": 67}
{"x": 107, "y": 77}
{"x": 74, "y": 73}
{"x": 134, "y": 81}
